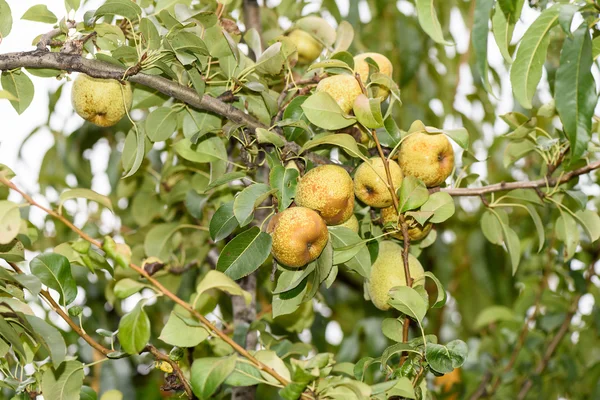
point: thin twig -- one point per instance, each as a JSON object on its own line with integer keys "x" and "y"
{"x": 164, "y": 357}
{"x": 47, "y": 37}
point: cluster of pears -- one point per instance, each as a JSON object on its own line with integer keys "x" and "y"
{"x": 103, "y": 102}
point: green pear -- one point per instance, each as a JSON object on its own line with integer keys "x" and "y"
{"x": 428, "y": 157}
{"x": 370, "y": 181}
{"x": 388, "y": 271}
{"x": 102, "y": 102}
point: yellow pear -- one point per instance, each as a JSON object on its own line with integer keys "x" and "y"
{"x": 416, "y": 231}
{"x": 308, "y": 47}
{"x": 299, "y": 236}
{"x": 329, "y": 190}
{"x": 427, "y": 157}
{"x": 361, "y": 67}
{"x": 388, "y": 271}
{"x": 370, "y": 182}
{"x": 351, "y": 223}
{"x": 101, "y": 101}
{"x": 343, "y": 88}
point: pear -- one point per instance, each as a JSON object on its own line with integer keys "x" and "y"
{"x": 428, "y": 157}
{"x": 308, "y": 47}
{"x": 388, "y": 271}
{"x": 102, "y": 102}
{"x": 361, "y": 67}
{"x": 416, "y": 231}
{"x": 299, "y": 236}
{"x": 343, "y": 88}
{"x": 329, "y": 190}
{"x": 351, "y": 223}
{"x": 370, "y": 182}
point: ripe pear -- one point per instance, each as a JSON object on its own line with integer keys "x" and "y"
{"x": 101, "y": 101}
{"x": 308, "y": 47}
{"x": 370, "y": 182}
{"x": 299, "y": 236}
{"x": 416, "y": 231}
{"x": 361, "y": 66}
{"x": 427, "y": 157}
{"x": 388, "y": 271}
{"x": 351, "y": 223}
{"x": 329, "y": 190}
{"x": 343, "y": 88}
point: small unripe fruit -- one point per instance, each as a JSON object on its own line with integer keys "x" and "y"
{"x": 427, "y": 157}
{"x": 362, "y": 68}
{"x": 102, "y": 102}
{"x": 416, "y": 231}
{"x": 370, "y": 182}
{"x": 329, "y": 190}
{"x": 308, "y": 47}
{"x": 343, "y": 88}
{"x": 299, "y": 236}
{"x": 388, "y": 271}
{"x": 351, "y": 223}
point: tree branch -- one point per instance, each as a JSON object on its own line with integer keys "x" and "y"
{"x": 503, "y": 186}
{"x": 98, "y": 69}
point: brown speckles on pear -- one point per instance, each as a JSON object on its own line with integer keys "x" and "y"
{"x": 427, "y": 157}
{"x": 101, "y": 101}
{"x": 370, "y": 182}
{"x": 329, "y": 190}
{"x": 299, "y": 236}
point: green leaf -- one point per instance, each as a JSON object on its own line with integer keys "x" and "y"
{"x": 161, "y": 123}
{"x": 73, "y": 5}
{"x": 513, "y": 246}
{"x": 228, "y": 177}
{"x": 441, "y": 205}
{"x": 54, "y": 271}
{"x": 126, "y": 287}
{"x": 443, "y": 359}
{"x": 205, "y": 151}
{"x": 479, "y": 37}
{"x": 218, "y": 280}
{"x": 589, "y": 220}
{"x": 134, "y": 151}
{"x": 526, "y": 71}
{"x": 492, "y": 227}
{"x": 343, "y": 140}
{"x": 245, "y": 253}
{"x": 491, "y": 315}
{"x": 40, "y": 13}
{"x": 284, "y": 180}
{"x": 288, "y": 302}
{"x": 576, "y": 90}
{"x": 18, "y": 84}
{"x": 10, "y": 221}
{"x": 270, "y": 358}
{"x": 244, "y": 375}
{"x": 271, "y": 61}
{"x": 223, "y": 222}
{"x": 177, "y": 333}
{"x": 125, "y": 8}
{"x": 392, "y": 329}
{"x": 319, "y": 28}
{"x": 12, "y": 251}
{"x": 428, "y": 20}
{"x": 396, "y": 349}
{"x": 368, "y": 111}
{"x": 412, "y": 194}
{"x": 158, "y": 240}
{"x": 346, "y": 244}
{"x": 10, "y": 336}
{"x": 567, "y": 232}
{"x": 63, "y": 383}
{"x": 322, "y": 110}
{"x": 408, "y": 301}
{"x": 134, "y": 329}
{"x": 5, "y": 19}
{"x": 264, "y": 136}
{"x": 459, "y": 135}
{"x": 294, "y": 112}
{"x": 539, "y": 226}
{"x": 248, "y": 199}
{"x": 503, "y": 32}
{"x": 50, "y": 337}
{"x": 86, "y": 194}
{"x": 440, "y": 300}
{"x": 208, "y": 373}
{"x": 87, "y": 393}
{"x": 289, "y": 280}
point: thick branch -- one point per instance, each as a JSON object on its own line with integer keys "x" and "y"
{"x": 99, "y": 69}
{"x": 503, "y": 186}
